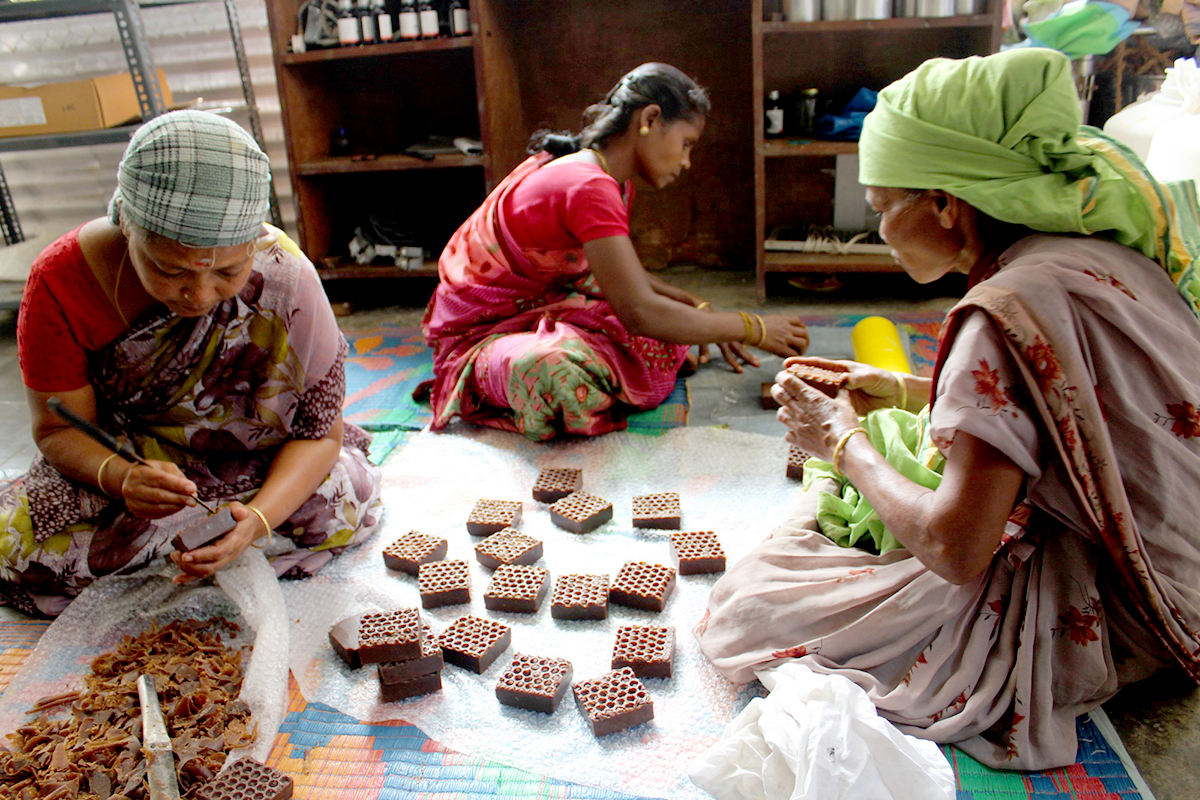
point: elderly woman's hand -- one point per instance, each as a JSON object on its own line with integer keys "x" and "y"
{"x": 203, "y": 562}
{"x": 814, "y": 420}
{"x": 870, "y": 388}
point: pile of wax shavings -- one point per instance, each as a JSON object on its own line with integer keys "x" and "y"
{"x": 94, "y": 751}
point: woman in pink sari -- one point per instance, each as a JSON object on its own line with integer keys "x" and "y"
{"x": 1035, "y": 522}
{"x": 544, "y": 321}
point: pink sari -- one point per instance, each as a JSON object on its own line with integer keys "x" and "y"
{"x": 524, "y": 340}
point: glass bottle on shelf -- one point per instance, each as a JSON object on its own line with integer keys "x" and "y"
{"x": 366, "y": 21}
{"x": 774, "y": 114}
{"x": 430, "y": 24}
{"x": 347, "y": 24}
{"x": 383, "y": 21}
{"x": 808, "y": 112}
{"x": 460, "y": 18}
{"x": 410, "y": 24}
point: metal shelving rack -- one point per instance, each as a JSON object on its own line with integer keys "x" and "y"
{"x": 145, "y": 81}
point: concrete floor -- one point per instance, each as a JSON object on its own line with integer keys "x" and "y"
{"x": 1158, "y": 720}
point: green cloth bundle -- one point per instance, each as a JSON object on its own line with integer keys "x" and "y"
{"x": 902, "y": 437}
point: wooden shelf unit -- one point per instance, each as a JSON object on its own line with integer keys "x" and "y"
{"x": 793, "y": 177}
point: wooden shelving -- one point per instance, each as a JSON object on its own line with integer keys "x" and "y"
{"x": 782, "y": 261}
{"x": 351, "y": 271}
{"x": 896, "y": 24}
{"x": 380, "y": 50}
{"x": 775, "y": 148}
{"x": 385, "y": 163}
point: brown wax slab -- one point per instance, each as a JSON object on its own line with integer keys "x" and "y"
{"x": 795, "y": 462}
{"x": 536, "y": 683}
{"x": 517, "y": 588}
{"x": 648, "y": 650}
{"x": 429, "y": 661}
{"x": 696, "y": 552}
{"x": 413, "y": 549}
{"x": 205, "y": 530}
{"x": 827, "y": 379}
{"x": 580, "y": 597}
{"x": 613, "y": 702}
{"x": 474, "y": 643}
{"x": 768, "y": 401}
{"x": 555, "y": 484}
{"x": 492, "y": 516}
{"x": 410, "y": 687}
{"x": 642, "y": 585}
{"x": 657, "y": 511}
{"x": 508, "y": 547}
{"x": 580, "y": 512}
{"x": 247, "y": 779}
{"x": 444, "y": 583}
{"x": 377, "y": 636}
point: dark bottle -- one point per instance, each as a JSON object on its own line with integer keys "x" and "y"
{"x": 366, "y": 21}
{"x": 383, "y": 21}
{"x": 410, "y": 21}
{"x": 460, "y": 18}
{"x": 774, "y": 114}
{"x": 339, "y": 144}
{"x": 808, "y": 112}
{"x": 348, "y": 30}
{"x": 430, "y": 23}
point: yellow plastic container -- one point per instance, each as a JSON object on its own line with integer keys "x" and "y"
{"x": 877, "y": 342}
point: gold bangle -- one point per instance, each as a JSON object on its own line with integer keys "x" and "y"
{"x": 100, "y": 475}
{"x": 903, "y": 404}
{"x": 703, "y": 304}
{"x": 267, "y": 525}
{"x": 748, "y": 325}
{"x": 841, "y": 444}
{"x": 762, "y": 336}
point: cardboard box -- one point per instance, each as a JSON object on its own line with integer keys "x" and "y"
{"x": 104, "y": 102}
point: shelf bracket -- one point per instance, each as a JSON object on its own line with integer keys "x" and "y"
{"x": 137, "y": 53}
{"x": 9, "y": 221}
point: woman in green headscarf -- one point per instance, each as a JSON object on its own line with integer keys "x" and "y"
{"x": 1053, "y": 556}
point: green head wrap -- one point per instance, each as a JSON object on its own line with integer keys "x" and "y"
{"x": 194, "y": 177}
{"x": 1003, "y": 133}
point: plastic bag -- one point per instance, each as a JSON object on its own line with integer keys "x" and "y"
{"x": 818, "y": 737}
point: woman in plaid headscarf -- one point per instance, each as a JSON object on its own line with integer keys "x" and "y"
{"x": 186, "y": 326}
{"x": 1046, "y": 552}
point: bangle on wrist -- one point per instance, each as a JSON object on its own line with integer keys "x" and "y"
{"x": 841, "y": 444}
{"x": 270, "y": 532}
{"x": 903, "y": 391}
{"x": 762, "y": 331}
{"x": 748, "y": 325}
{"x": 100, "y": 475}
{"x": 703, "y": 304}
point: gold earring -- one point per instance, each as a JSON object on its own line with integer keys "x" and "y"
{"x": 644, "y": 130}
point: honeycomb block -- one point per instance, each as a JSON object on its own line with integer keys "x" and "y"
{"x": 411, "y": 687}
{"x": 768, "y": 401}
{"x": 413, "y": 549}
{"x": 795, "y": 462}
{"x": 826, "y": 379}
{"x": 204, "y": 531}
{"x": 536, "y": 683}
{"x": 555, "y": 484}
{"x": 580, "y": 597}
{"x": 696, "y": 552}
{"x": 444, "y": 583}
{"x": 646, "y": 649}
{"x": 580, "y": 512}
{"x": 493, "y": 516}
{"x": 613, "y": 702}
{"x": 508, "y": 547}
{"x": 377, "y": 636}
{"x": 642, "y": 585}
{"x": 429, "y": 661}
{"x": 474, "y": 643}
{"x": 247, "y": 780}
{"x": 656, "y": 511}
{"x": 517, "y": 588}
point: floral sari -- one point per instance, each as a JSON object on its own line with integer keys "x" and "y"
{"x": 1096, "y": 582}
{"x": 524, "y": 340}
{"x": 217, "y": 396}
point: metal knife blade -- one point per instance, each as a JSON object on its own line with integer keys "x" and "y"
{"x": 156, "y": 744}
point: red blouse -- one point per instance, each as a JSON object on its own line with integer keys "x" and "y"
{"x": 561, "y": 206}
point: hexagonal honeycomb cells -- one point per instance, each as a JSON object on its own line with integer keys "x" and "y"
{"x": 413, "y": 549}
{"x": 555, "y": 484}
{"x": 444, "y": 583}
{"x": 580, "y": 597}
{"x": 826, "y": 379}
{"x": 492, "y": 516}
{"x": 377, "y": 636}
{"x": 536, "y": 683}
{"x": 696, "y": 552}
{"x": 247, "y": 780}
{"x": 517, "y": 588}
{"x": 656, "y": 511}
{"x": 614, "y": 701}
{"x": 474, "y": 643}
{"x": 643, "y": 585}
{"x": 508, "y": 547}
{"x": 646, "y": 649}
{"x": 580, "y": 512}
{"x": 430, "y": 660}
{"x": 795, "y": 462}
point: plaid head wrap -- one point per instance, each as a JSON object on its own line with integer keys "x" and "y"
{"x": 196, "y": 178}
{"x": 1003, "y": 133}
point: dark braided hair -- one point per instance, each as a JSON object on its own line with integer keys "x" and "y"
{"x": 653, "y": 83}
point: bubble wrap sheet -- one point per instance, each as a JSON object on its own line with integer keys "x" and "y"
{"x": 729, "y": 482}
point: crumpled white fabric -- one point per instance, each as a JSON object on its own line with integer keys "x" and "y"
{"x": 818, "y": 737}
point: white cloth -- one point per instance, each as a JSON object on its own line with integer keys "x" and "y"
{"x": 818, "y": 737}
